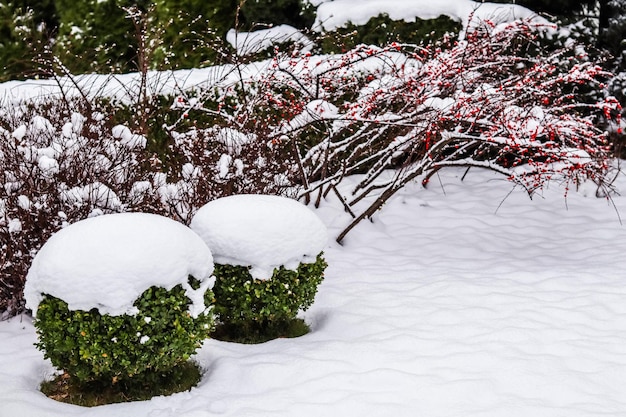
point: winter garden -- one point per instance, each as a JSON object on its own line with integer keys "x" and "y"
{"x": 406, "y": 228}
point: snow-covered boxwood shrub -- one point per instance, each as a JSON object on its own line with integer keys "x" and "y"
{"x": 268, "y": 254}
{"x": 121, "y": 297}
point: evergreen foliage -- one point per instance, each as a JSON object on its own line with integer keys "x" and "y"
{"x": 221, "y": 14}
{"x": 252, "y": 304}
{"x": 382, "y": 30}
{"x": 175, "y": 33}
{"x": 23, "y": 38}
{"x": 612, "y": 36}
{"x": 94, "y": 347}
{"x": 187, "y": 31}
{"x": 96, "y": 36}
{"x": 297, "y": 13}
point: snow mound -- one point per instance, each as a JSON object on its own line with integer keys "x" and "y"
{"x": 107, "y": 262}
{"x": 261, "y": 231}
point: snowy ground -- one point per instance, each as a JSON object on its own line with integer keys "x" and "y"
{"x": 441, "y": 307}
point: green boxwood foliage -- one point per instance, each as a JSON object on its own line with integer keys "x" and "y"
{"x": 241, "y": 300}
{"x": 90, "y": 346}
{"x": 24, "y": 37}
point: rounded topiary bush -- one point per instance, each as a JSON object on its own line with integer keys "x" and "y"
{"x": 99, "y": 347}
{"x": 251, "y": 309}
{"x": 121, "y": 299}
{"x": 268, "y": 262}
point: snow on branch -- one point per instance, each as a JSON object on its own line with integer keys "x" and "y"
{"x": 480, "y": 102}
{"x": 494, "y": 99}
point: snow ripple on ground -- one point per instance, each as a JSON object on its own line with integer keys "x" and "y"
{"x": 445, "y": 305}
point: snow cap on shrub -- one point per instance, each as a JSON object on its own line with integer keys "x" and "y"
{"x": 260, "y": 231}
{"x": 107, "y": 262}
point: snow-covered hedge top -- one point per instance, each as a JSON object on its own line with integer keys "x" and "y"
{"x": 261, "y": 231}
{"x": 332, "y": 14}
{"x": 107, "y": 262}
{"x": 253, "y": 42}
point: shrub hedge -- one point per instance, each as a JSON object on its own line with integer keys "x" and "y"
{"x": 382, "y": 30}
{"x": 135, "y": 349}
{"x": 242, "y": 301}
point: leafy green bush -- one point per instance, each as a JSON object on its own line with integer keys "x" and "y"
{"x": 296, "y": 13}
{"x": 382, "y": 30}
{"x": 95, "y": 36}
{"x": 23, "y": 40}
{"x": 139, "y": 348}
{"x": 244, "y": 302}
